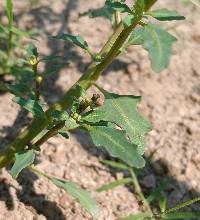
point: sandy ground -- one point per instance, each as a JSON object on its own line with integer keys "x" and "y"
{"x": 171, "y": 101}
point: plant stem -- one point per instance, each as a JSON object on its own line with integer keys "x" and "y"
{"x": 49, "y": 134}
{"x": 36, "y": 171}
{"x": 109, "y": 52}
{"x": 139, "y": 191}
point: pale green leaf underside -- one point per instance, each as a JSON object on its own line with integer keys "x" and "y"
{"x": 117, "y": 145}
{"x": 122, "y": 110}
{"x": 165, "y": 15}
{"x": 83, "y": 196}
{"x": 22, "y": 160}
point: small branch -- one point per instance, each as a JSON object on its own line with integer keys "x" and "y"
{"x": 139, "y": 191}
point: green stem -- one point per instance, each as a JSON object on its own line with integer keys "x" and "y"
{"x": 109, "y": 52}
{"x": 49, "y": 134}
{"x": 36, "y": 171}
{"x": 9, "y": 43}
{"x": 139, "y": 191}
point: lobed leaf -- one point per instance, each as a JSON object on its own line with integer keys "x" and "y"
{"x": 82, "y": 195}
{"x": 158, "y": 43}
{"x": 117, "y": 145}
{"x": 122, "y": 110}
{"x": 22, "y": 160}
{"x": 165, "y": 15}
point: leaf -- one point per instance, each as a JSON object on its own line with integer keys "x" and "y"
{"x": 32, "y": 51}
{"x": 114, "y": 184}
{"x": 78, "y": 40}
{"x": 22, "y": 160}
{"x": 122, "y": 110}
{"x": 165, "y": 15}
{"x": 32, "y": 106}
{"x": 60, "y": 115}
{"x": 20, "y": 89}
{"x": 105, "y": 12}
{"x": 115, "y": 164}
{"x": 70, "y": 123}
{"x": 115, "y": 142}
{"x": 182, "y": 215}
{"x": 118, "y": 6}
{"x": 139, "y": 216}
{"x": 9, "y": 9}
{"x": 82, "y": 195}
{"x": 158, "y": 43}
{"x": 21, "y": 33}
{"x": 50, "y": 58}
{"x": 135, "y": 38}
{"x": 128, "y": 20}
{"x": 93, "y": 116}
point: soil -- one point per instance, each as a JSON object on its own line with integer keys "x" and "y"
{"x": 171, "y": 101}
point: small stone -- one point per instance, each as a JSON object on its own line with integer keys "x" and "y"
{"x": 149, "y": 181}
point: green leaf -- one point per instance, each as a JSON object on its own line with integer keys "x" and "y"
{"x": 182, "y": 215}
{"x": 60, "y": 115}
{"x": 22, "y": 160}
{"x": 165, "y": 15}
{"x": 70, "y": 123}
{"x": 9, "y": 9}
{"x": 32, "y": 106}
{"x": 128, "y": 20}
{"x": 122, "y": 110}
{"x": 118, "y": 6}
{"x": 139, "y": 216}
{"x": 115, "y": 164}
{"x": 135, "y": 38}
{"x": 20, "y": 89}
{"x": 78, "y": 40}
{"x": 93, "y": 116}
{"x": 21, "y": 33}
{"x": 82, "y": 195}
{"x": 115, "y": 142}
{"x": 105, "y": 12}
{"x": 114, "y": 184}
{"x": 158, "y": 42}
{"x": 31, "y": 51}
